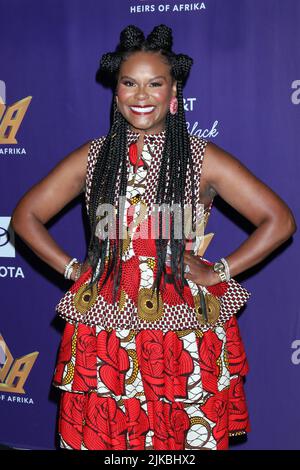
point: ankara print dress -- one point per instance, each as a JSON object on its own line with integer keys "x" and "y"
{"x": 140, "y": 374}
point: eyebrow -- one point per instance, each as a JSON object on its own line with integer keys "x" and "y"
{"x": 154, "y": 78}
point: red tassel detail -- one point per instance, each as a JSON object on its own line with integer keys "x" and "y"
{"x": 133, "y": 157}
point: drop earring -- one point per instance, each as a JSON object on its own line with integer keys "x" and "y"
{"x": 173, "y": 105}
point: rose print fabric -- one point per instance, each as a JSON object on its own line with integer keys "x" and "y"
{"x": 151, "y": 390}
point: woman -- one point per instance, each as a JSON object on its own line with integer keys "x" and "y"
{"x": 137, "y": 370}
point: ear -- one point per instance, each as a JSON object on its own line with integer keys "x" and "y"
{"x": 174, "y": 88}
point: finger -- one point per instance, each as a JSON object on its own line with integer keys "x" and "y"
{"x": 188, "y": 276}
{"x": 187, "y": 256}
{"x": 188, "y": 252}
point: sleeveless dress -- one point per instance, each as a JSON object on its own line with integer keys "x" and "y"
{"x": 141, "y": 374}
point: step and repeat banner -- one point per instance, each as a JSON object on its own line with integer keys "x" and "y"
{"x": 243, "y": 93}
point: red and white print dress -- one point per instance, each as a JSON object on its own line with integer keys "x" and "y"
{"x": 141, "y": 374}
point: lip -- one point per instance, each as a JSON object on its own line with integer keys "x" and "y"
{"x": 138, "y": 106}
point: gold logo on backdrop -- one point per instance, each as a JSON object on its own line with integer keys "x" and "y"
{"x": 14, "y": 373}
{"x": 11, "y": 118}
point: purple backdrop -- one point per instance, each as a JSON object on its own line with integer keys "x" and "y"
{"x": 243, "y": 93}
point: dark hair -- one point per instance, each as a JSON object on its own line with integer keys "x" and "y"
{"x": 111, "y": 161}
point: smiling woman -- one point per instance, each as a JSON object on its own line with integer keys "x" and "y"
{"x": 151, "y": 356}
{"x": 143, "y": 97}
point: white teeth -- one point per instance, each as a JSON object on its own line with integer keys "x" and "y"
{"x": 142, "y": 110}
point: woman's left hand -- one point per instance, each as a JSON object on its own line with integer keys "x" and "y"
{"x": 200, "y": 272}
{"x": 84, "y": 267}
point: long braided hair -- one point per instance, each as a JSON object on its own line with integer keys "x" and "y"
{"x": 111, "y": 168}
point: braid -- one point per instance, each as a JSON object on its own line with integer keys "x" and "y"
{"x": 180, "y": 158}
{"x": 111, "y": 165}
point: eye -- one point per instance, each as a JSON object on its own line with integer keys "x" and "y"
{"x": 127, "y": 81}
{"x": 131, "y": 83}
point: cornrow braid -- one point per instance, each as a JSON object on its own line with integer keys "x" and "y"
{"x": 110, "y": 168}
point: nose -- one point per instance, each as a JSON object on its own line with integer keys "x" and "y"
{"x": 141, "y": 93}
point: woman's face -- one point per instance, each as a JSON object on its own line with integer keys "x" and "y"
{"x": 144, "y": 81}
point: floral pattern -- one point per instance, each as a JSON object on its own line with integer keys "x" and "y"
{"x": 151, "y": 390}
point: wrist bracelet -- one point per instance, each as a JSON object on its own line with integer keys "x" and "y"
{"x": 227, "y": 270}
{"x": 78, "y": 271}
{"x": 69, "y": 269}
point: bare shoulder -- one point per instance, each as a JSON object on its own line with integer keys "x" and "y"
{"x": 240, "y": 187}
{"x": 72, "y": 169}
{"x": 74, "y": 166}
{"x": 64, "y": 182}
{"x": 219, "y": 164}
{"x": 198, "y": 145}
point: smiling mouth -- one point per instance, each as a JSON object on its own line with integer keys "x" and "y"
{"x": 142, "y": 109}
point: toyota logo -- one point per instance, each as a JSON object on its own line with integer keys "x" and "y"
{"x": 4, "y": 236}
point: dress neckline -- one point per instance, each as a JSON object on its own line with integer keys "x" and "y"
{"x": 153, "y": 137}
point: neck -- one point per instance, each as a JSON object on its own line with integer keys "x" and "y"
{"x": 143, "y": 132}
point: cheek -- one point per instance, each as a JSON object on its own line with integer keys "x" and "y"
{"x": 124, "y": 94}
{"x": 162, "y": 97}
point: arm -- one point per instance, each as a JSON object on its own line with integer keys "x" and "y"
{"x": 274, "y": 220}
{"x": 46, "y": 199}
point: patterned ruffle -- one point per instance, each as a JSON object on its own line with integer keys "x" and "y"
{"x": 151, "y": 390}
{"x": 126, "y": 312}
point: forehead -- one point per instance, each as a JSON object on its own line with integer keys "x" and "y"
{"x": 145, "y": 63}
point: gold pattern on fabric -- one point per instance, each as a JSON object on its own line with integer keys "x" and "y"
{"x": 84, "y": 299}
{"x": 122, "y": 301}
{"x": 135, "y": 367}
{"x": 213, "y": 308}
{"x": 70, "y": 366}
{"x": 196, "y": 421}
{"x": 129, "y": 337}
{"x": 183, "y": 333}
{"x": 69, "y": 375}
{"x": 74, "y": 341}
{"x": 212, "y": 304}
{"x": 148, "y": 308}
{"x": 151, "y": 263}
{"x": 126, "y": 242}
